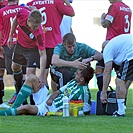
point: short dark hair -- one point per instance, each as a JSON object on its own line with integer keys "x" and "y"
{"x": 87, "y": 73}
{"x": 69, "y": 38}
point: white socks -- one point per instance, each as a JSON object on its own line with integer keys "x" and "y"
{"x": 121, "y": 106}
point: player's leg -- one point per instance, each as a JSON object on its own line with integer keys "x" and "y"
{"x": 32, "y": 64}
{"x": 100, "y": 68}
{"x": 49, "y": 53}
{"x": 60, "y": 76}
{"x": 30, "y": 85}
{"x": 25, "y": 109}
{"x": 2, "y": 70}
{"x": 18, "y": 61}
{"x": 125, "y": 73}
{"x": 99, "y": 74}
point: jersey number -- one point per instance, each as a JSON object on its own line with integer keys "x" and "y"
{"x": 126, "y": 29}
{"x": 43, "y": 15}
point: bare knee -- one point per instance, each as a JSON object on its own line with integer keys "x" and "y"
{"x": 32, "y": 81}
{"x": 15, "y": 67}
{"x": 31, "y": 78}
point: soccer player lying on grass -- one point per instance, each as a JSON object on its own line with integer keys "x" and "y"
{"x": 46, "y": 102}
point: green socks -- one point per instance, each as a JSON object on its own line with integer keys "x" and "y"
{"x": 23, "y": 94}
{"x": 12, "y": 111}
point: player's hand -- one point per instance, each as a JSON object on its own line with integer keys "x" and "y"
{"x": 103, "y": 16}
{"x": 1, "y": 52}
{"x": 9, "y": 42}
{"x": 49, "y": 102}
{"x": 41, "y": 81}
{"x": 79, "y": 64}
{"x": 87, "y": 60}
{"x": 103, "y": 97}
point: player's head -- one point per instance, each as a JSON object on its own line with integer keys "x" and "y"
{"x": 112, "y": 1}
{"x": 84, "y": 75}
{"x": 34, "y": 19}
{"x": 69, "y": 42}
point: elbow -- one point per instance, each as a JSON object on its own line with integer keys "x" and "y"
{"x": 104, "y": 25}
{"x": 98, "y": 56}
{"x": 73, "y": 14}
{"x": 54, "y": 63}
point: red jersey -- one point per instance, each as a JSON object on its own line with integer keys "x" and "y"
{"x": 119, "y": 14}
{"x": 23, "y": 39}
{"x": 52, "y": 12}
{"x": 7, "y": 15}
{"x": 3, "y": 4}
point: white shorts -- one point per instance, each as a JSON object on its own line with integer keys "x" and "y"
{"x": 40, "y": 99}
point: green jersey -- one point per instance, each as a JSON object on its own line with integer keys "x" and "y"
{"x": 73, "y": 92}
{"x": 82, "y": 50}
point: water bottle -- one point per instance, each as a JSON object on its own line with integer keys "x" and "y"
{"x": 65, "y": 106}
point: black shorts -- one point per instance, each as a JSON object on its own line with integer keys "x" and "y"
{"x": 8, "y": 58}
{"x": 101, "y": 65}
{"x": 2, "y": 63}
{"x": 49, "y": 53}
{"x": 29, "y": 57}
{"x": 126, "y": 71}
{"x": 60, "y": 75}
{"x": 6, "y": 62}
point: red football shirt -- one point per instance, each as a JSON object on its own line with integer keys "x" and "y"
{"x": 119, "y": 14}
{"x": 52, "y": 12}
{"x": 7, "y": 15}
{"x": 3, "y": 4}
{"x": 23, "y": 39}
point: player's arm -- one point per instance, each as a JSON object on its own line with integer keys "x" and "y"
{"x": 1, "y": 48}
{"x": 0, "y": 38}
{"x": 55, "y": 94}
{"x": 12, "y": 30}
{"x": 106, "y": 80}
{"x": 43, "y": 58}
{"x": 104, "y": 22}
{"x": 97, "y": 56}
{"x": 1, "y": 27}
{"x": 65, "y": 8}
{"x": 52, "y": 97}
{"x": 56, "y": 61}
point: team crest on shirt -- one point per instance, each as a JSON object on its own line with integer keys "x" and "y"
{"x": 67, "y": 92}
{"x": 31, "y": 36}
